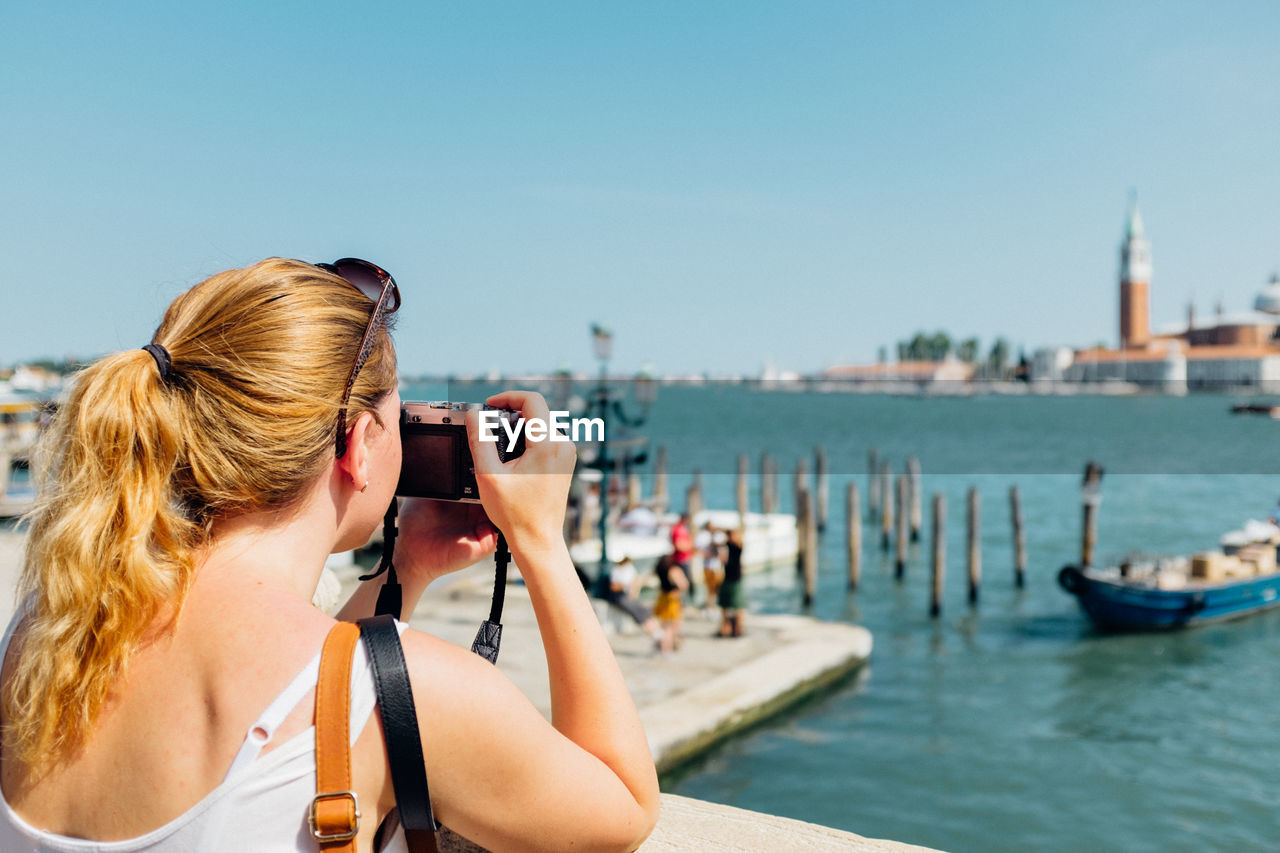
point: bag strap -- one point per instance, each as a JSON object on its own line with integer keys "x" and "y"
{"x": 400, "y": 728}
{"x": 395, "y": 694}
{"x": 335, "y": 812}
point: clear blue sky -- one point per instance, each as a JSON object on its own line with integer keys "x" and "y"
{"x": 723, "y": 183}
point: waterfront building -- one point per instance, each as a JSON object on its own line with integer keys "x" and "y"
{"x": 1050, "y": 364}
{"x": 33, "y": 378}
{"x": 921, "y": 373}
{"x": 1135, "y": 278}
{"x": 1226, "y": 351}
{"x": 947, "y": 376}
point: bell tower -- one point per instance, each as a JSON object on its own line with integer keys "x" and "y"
{"x": 1135, "y": 277}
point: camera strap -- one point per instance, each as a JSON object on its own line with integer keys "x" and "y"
{"x": 489, "y": 637}
{"x": 391, "y": 599}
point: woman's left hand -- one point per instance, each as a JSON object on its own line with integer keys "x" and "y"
{"x": 439, "y": 537}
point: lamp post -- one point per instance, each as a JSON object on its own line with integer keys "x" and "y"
{"x": 610, "y": 410}
{"x": 561, "y": 388}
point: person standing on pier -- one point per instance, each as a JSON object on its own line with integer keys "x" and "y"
{"x": 672, "y": 584}
{"x": 708, "y": 543}
{"x": 732, "y": 598}
{"x": 683, "y": 550}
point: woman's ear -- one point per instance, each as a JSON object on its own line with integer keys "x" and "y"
{"x": 355, "y": 464}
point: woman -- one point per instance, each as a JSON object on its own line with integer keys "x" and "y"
{"x": 193, "y": 491}
{"x": 672, "y": 584}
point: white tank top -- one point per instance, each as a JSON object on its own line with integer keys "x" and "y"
{"x": 262, "y": 803}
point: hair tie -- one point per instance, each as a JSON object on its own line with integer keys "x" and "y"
{"x": 163, "y": 360}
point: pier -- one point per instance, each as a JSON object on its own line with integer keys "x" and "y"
{"x": 689, "y": 702}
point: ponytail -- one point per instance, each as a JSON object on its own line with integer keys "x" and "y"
{"x": 109, "y": 551}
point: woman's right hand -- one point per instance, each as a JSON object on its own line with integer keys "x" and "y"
{"x": 526, "y": 497}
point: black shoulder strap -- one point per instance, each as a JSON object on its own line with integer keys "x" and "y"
{"x": 400, "y": 725}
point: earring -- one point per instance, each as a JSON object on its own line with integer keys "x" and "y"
{"x": 365, "y": 486}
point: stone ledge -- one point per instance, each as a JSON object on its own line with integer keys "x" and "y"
{"x": 688, "y": 824}
{"x": 694, "y": 825}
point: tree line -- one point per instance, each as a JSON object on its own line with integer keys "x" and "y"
{"x": 939, "y": 347}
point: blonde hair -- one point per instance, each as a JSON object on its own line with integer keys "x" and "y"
{"x": 134, "y": 472}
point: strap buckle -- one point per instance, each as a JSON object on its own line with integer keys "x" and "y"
{"x": 340, "y": 835}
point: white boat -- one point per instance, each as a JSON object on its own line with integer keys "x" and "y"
{"x": 767, "y": 540}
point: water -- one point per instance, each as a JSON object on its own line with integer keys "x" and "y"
{"x": 1014, "y": 726}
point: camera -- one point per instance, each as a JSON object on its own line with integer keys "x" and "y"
{"x": 436, "y": 456}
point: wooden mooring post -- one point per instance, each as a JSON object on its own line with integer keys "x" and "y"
{"x": 939, "y": 553}
{"x": 974, "y": 540}
{"x": 634, "y": 493}
{"x": 917, "y": 497}
{"x": 901, "y": 497}
{"x": 821, "y": 490}
{"x": 587, "y": 517}
{"x": 807, "y": 519}
{"x": 886, "y": 505}
{"x": 743, "y": 490}
{"x": 659, "y": 499}
{"x": 800, "y": 501}
{"x": 873, "y": 484}
{"x": 768, "y": 484}
{"x": 693, "y": 501}
{"x": 1090, "y": 497}
{"x": 853, "y": 530}
{"x": 1019, "y": 539}
{"x": 799, "y": 483}
{"x": 569, "y": 528}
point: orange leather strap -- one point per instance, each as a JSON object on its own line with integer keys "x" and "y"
{"x": 335, "y": 811}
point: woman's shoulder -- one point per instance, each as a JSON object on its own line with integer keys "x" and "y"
{"x": 437, "y": 666}
{"x": 457, "y": 692}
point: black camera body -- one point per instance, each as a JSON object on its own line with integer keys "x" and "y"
{"x": 437, "y": 460}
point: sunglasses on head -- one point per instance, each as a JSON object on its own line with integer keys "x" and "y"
{"x": 377, "y": 284}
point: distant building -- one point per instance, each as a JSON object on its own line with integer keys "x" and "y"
{"x": 1050, "y": 364}
{"x": 34, "y": 378}
{"x": 919, "y": 372}
{"x": 1135, "y": 278}
{"x": 1159, "y": 368}
{"x": 1229, "y": 350}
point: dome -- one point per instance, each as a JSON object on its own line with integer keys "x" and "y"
{"x": 1269, "y": 298}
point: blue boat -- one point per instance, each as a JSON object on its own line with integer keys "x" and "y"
{"x": 1139, "y": 602}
